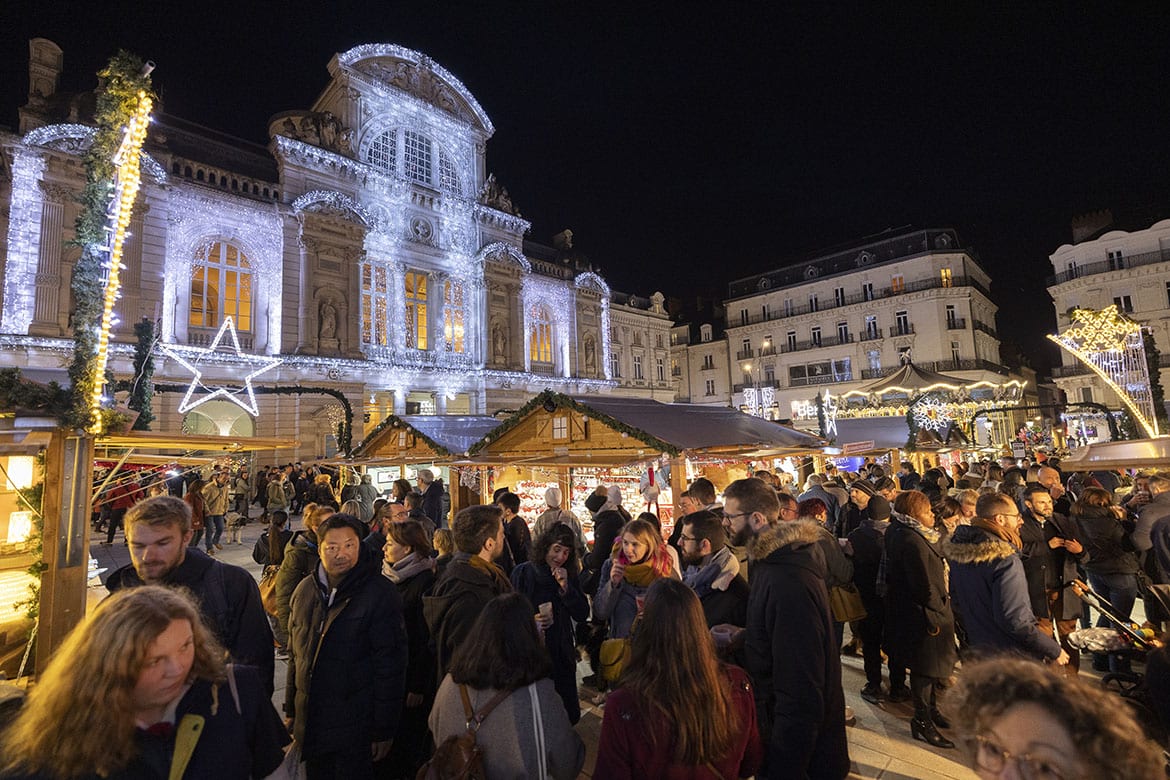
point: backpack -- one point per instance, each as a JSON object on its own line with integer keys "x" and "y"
{"x": 459, "y": 757}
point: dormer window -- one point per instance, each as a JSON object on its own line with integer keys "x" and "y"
{"x": 415, "y": 156}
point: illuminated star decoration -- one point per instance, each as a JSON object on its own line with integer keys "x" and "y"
{"x": 932, "y": 414}
{"x": 236, "y": 396}
{"x": 1111, "y": 346}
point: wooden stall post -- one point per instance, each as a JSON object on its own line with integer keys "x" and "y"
{"x": 66, "y": 508}
{"x": 678, "y": 482}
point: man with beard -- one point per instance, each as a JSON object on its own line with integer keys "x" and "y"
{"x": 158, "y": 532}
{"x": 469, "y": 582}
{"x": 711, "y": 570}
{"x": 790, "y": 643}
{"x": 1050, "y": 551}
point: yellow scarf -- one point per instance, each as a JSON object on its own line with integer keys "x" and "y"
{"x": 501, "y": 582}
{"x": 657, "y": 564}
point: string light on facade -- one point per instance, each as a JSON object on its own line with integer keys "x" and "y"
{"x": 1112, "y": 347}
{"x": 126, "y": 182}
{"x": 830, "y": 407}
{"x": 24, "y": 237}
{"x": 243, "y": 397}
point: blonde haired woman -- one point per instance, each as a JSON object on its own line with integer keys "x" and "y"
{"x": 639, "y": 558}
{"x": 133, "y": 684}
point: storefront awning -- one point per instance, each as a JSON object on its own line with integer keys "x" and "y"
{"x": 1134, "y": 454}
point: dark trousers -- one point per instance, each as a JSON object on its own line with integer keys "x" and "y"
{"x": 1065, "y": 627}
{"x": 870, "y": 629}
{"x": 116, "y": 517}
{"x": 1120, "y": 590}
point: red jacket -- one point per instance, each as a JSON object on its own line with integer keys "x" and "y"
{"x": 625, "y": 749}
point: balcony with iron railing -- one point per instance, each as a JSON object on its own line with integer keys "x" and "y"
{"x": 870, "y": 334}
{"x": 744, "y": 354}
{"x": 675, "y": 371}
{"x": 941, "y": 367}
{"x": 1112, "y": 264}
{"x": 849, "y": 300}
{"x": 956, "y": 323}
{"x": 824, "y": 341}
{"x": 902, "y": 329}
{"x": 203, "y": 337}
{"x": 820, "y": 379}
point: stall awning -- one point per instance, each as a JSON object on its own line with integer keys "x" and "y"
{"x": 1134, "y": 454}
{"x": 911, "y": 380}
{"x": 867, "y": 435}
{"x": 149, "y": 440}
{"x": 558, "y": 429}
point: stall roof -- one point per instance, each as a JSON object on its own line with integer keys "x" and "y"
{"x": 1133, "y": 454}
{"x": 661, "y": 428}
{"x": 910, "y": 379}
{"x": 148, "y": 440}
{"x": 446, "y": 434}
{"x": 881, "y": 434}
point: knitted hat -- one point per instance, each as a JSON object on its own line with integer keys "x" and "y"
{"x": 595, "y": 502}
{"x": 878, "y": 508}
{"x": 864, "y": 486}
{"x": 552, "y": 497}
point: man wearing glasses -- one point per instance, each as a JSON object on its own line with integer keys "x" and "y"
{"x": 988, "y": 585}
{"x": 790, "y": 645}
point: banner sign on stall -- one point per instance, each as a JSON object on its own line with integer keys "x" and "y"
{"x": 854, "y": 447}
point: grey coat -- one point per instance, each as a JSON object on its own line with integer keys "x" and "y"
{"x": 507, "y": 735}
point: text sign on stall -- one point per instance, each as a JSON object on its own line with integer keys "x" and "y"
{"x": 854, "y": 447}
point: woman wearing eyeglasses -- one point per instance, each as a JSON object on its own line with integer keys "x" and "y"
{"x": 1017, "y": 718}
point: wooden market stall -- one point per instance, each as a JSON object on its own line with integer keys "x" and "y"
{"x": 571, "y": 438}
{"x": 423, "y": 440}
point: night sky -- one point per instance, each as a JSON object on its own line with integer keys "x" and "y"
{"x": 696, "y": 143}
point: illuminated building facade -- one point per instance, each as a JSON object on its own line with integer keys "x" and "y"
{"x": 365, "y": 246}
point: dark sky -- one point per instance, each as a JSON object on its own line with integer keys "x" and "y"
{"x": 687, "y": 144}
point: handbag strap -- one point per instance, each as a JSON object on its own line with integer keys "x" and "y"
{"x": 476, "y": 719}
{"x": 538, "y": 731}
{"x": 186, "y": 738}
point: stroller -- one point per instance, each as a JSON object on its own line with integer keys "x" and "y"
{"x": 1126, "y": 639}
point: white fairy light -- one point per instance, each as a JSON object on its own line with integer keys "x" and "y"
{"x": 24, "y": 238}
{"x": 191, "y": 358}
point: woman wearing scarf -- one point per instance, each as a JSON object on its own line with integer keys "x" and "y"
{"x": 639, "y": 558}
{"x": 409, "y": 565}
{"x": 920, "y": 628}
{"x": 550, "y": 577}
{"x": 988, "y": 585}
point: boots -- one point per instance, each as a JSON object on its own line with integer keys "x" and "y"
{"x": 922, "y": 728}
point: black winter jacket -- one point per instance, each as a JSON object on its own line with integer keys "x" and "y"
{"x": 1106, "y": 539}
{"x": 347, "y": 659}
{"x": 229, "y": 600}
{"x": 920, "y": 627}
{"x": 1049, "y": 569}
{"x": 793, "y": 657}
{"x": 455, "y": 602}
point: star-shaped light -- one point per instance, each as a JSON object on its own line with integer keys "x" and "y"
{"x": 1100, "y": 331}
{"x": 260, "y": 364}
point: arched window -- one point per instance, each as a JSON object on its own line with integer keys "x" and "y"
{"x": 540, "y": 341}
{"x": 453, "y": 315}
{"x": 415, "y": 156}
{"x": 221, "y": 286}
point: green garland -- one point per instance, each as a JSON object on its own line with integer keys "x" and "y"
{"x": 912, "y": 425}
{"x": 1157, "y": 394}
{"x": 560, "y": 401}
{"x": 142, "y": 388}
{"x": 17, "y": 393}
{"x": 117, "y": 97}
{"x": 33, "y": 498}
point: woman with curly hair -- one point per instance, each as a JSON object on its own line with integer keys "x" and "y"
{"x": 678, "y": 712}
{"x": 550, "y": 577}
{"x": 133, "y": 685}
{"x": 1016, "y": 713}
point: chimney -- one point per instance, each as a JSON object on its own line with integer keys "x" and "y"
{"x": 1087, "y": 225}
{"x": 44, "y": 68}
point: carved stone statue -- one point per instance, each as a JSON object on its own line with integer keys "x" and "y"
{"x": 492, "y": 194}
{"x": 499, "y": 343}
{"x": 328, "y": 328}
{"x": 590, "y": 356}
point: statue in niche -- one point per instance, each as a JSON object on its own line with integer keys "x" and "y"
{"x": 496, "y": 196}
{"x": 328, "y": 328}
{"x": 499, "y": 343}
{"x": 590, "y": 356}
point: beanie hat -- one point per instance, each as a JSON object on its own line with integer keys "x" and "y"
{"x": 879, "y": 508}
{"x": 552, "y": 497}
{"x": 595, "y": 502}
{"x": 864, "y": 486}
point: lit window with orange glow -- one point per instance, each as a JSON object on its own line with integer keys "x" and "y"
{"x": 221, "y": 286}
{"x": 416, "y": 309}
{"x": 453, "y": 315}
{"x": 540, "y": 347}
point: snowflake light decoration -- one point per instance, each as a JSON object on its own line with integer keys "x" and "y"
{"x": 931, "y": 413}
{"x": 260, "y": 363}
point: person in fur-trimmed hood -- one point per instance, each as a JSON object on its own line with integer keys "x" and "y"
{"x": 988, "y": 586}
{"x": 790, "y": 644}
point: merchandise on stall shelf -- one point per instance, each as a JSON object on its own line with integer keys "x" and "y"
{"x": 628, "y": 479}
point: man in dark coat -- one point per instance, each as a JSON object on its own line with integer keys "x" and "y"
{"x": 158, "y": 532}
{"x": 868, "y": 542}
{"x": 1051, "y": 551}
{"x": 711, "y": 570}
{"x": 432, "y": 497}
{"x": 347, "y": 659}
{"x": 469, "y": 582}
{"x": 516, "y": 532}
{"x": 790, "y": 644}
{"x": 988, "y": 584}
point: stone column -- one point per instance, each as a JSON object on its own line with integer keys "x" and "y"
{"x": 47, "y": 298}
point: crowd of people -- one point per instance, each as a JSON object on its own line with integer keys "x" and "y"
{"x": 715, "y": 653}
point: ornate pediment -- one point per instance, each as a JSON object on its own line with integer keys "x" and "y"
{"x": 319, "y": 128}
{"x": 418, "y": 75}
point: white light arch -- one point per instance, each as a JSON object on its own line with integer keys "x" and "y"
{"x": 335, "y": 200}
{"x": 494, "y": 250}
{"x": 83, "y": 134}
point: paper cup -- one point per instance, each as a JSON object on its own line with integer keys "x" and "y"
{"x": 546, "y": 610}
